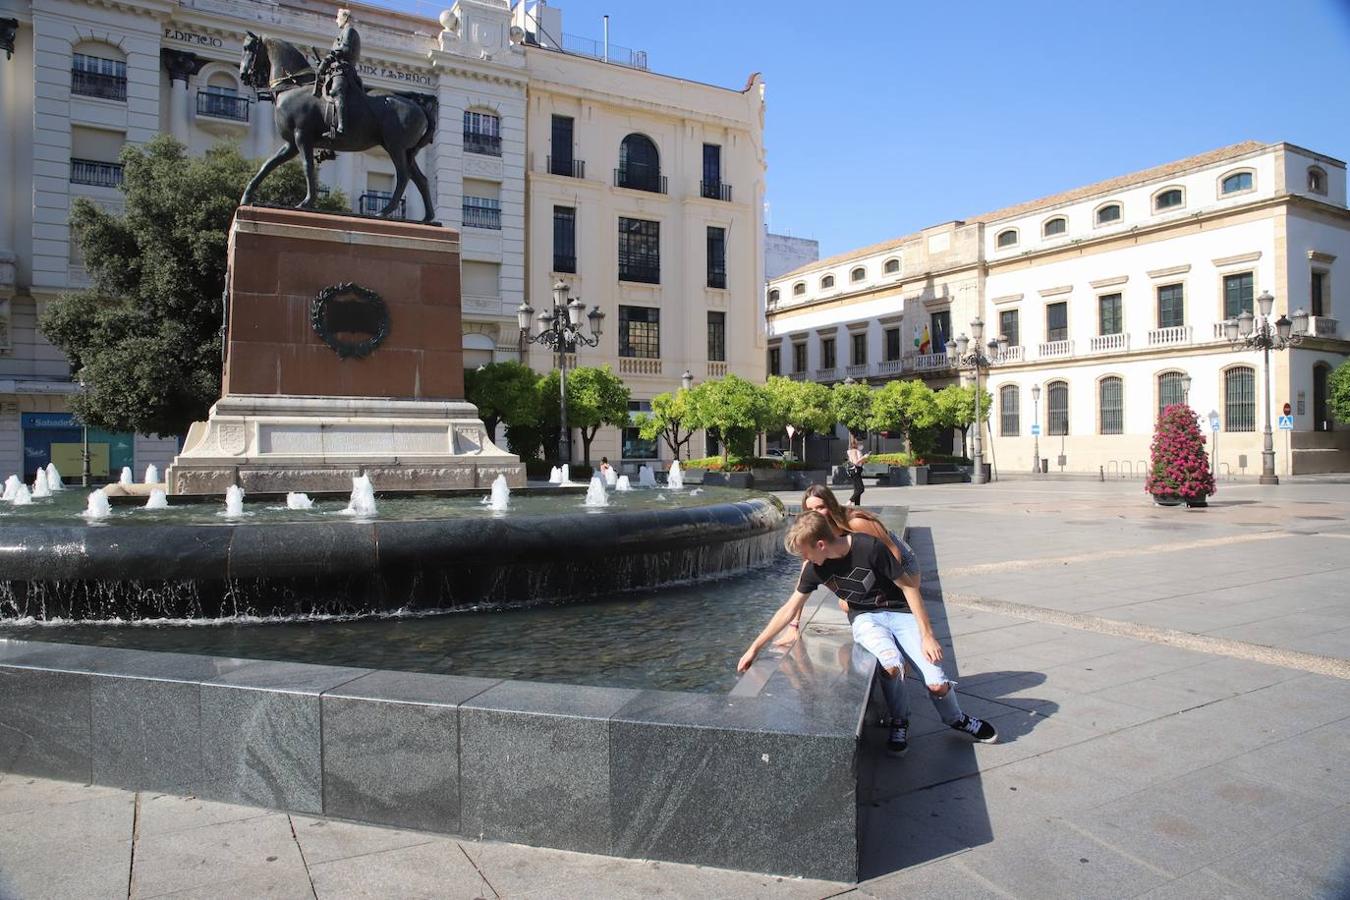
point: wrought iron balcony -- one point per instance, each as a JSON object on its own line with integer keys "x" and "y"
{"x": 486, "y": 144}
{"x": 567, "y": 168}
{"x": 717, "y": 277}
{"x": 222, "y": 106}
{"x": 371, "y": 203}
{"x": 482, "y": 217}
{"x": 640, "y": 180}
{"x": 715, "y": 190}
{"x": 564, "y": 263}
{"x": 97, "y": 84}
{"x": 97, "y": 174}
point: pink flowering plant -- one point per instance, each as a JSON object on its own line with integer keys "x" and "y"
{"x": 1180, "y": 467}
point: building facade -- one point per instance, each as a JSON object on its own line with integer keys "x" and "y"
{"x": 1110, "y": 296}
{"x": 87, "y": 77}
{"x": 783, "y": 253}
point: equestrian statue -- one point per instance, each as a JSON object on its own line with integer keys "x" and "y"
{"x": 329, "y": 111}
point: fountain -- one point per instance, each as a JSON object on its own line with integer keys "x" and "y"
{"x": 158, "y": 499}
{"x": 566, "y": 473}
{"x": 555, "y": 476}
{"x": 500, "y": 501}
{"x": 646, "y": 477}
{"x": 675, "y": 478}
{"x": 298, "y": 500}
{"x": 623, "y": 484}
{"x": 126, "y": 476}
{"x": 22, "y": 496}
{"x": 54, "y": 478}
{"x": 596, "y": 496}
{"x": 151, "y": 474}
{"x": 41, "y": 488}
{"x": 611, "y": 477}
{"x": 363, "y": 498}
{"x": 234, "y": 501}
{"x": 97, "y": 507}
{"x": 11, "y": 487}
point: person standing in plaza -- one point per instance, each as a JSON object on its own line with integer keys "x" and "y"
{"x": 856, "y": 458}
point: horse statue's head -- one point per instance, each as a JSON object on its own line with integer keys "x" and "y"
{"x": 254, "y": 65}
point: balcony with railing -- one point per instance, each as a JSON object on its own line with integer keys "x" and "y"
{"x": 717, "y": 277}
{"x": 478, "y": 216}
{"x": 1219, "y": 334}
{"x": 485, "y": 144}
{"x": 1322, "y": 326}
{"x": 857, "y": 370}
{"x": 95, "y": 174}
{"x": 830, "y": 374}
{"x": 797, "y": 376}
{"x": 567, "y": 168}
{"x": 639, "y": 365}
{"x": 1109, "y": 343}
{"x": 604, "y": 51}
{"x": 890, "y": 367}
{"x": 716, "y": 368}
{"x": 372, "y": 203}
{"x": 1163, "y": 337}
{"x": 563, "y": 262}
{"x": 640, "y": 179}
{"x": 715, "y": 190}
{"x": 1014, "y": 354}
{"x": 98, "y": 84}
{"x": 930, "y": 362}
{"x": 222, "y": 106}
{"x": 1054, "y": 349}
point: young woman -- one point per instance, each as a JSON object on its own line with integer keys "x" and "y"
{"x": 856, "y": 458}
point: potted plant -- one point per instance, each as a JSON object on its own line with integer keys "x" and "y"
{"x": 1180, "y": 468}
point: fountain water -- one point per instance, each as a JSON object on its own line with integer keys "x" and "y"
{"x": 555, "y": 476}
{"x": 500, "y": 501}
{"x": 646, "y": 477}
{"x": 675, "y": 478}
{"x": 623, "y": 484}
{"x": 296, "y": 500}
{"x": 158, "y": 499}
{"x": 151, "y": 474}
{"x": 11, "y": 487}
{"x": 21, "y": 496}
{"x": 54, "y": 478}
{"x": 363, "y": 498}
{"x": 126, "y": 477}
{"x": 566, "y": 473}
{"x": 595, "y": 494}
{"x": 41, "y": 488}
{"x": 611, "y": 477}
{"x": 234, "y": 501}
{"x": 97, "y": 507}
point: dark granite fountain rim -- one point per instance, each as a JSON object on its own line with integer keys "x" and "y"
{"x": 531, "y": 489}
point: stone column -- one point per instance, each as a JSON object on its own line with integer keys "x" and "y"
{"x": 181, "y": 66}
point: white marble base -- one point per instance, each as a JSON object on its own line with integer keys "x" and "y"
{"x": 274, "y": 444}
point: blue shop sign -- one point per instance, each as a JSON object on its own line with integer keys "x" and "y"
{"x": 48, "y": 420}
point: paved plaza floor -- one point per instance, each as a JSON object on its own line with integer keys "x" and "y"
{"x": 1171, "y": 687}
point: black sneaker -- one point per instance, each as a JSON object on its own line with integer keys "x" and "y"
{"x": 898, "y": 742}
{"x": 979, "y": 729}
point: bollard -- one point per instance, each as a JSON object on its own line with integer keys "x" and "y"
{"x": 1101, "y": 473}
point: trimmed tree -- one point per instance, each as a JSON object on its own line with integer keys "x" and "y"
{"x": 906, "y": 407}
{"x": 503, "y": 392}
{"x": 851, "y": 406}
{"x": 1179, "y": 467}
{"x": 668, "y": 421}
{"x": 734, "y": 407}
{"x": 145, "y": 339}
{"x": 805, "y": 405}
{"x": 595, "y": 397}
{"x": 955, "y": 406}
{"x": 1338, "y": 392}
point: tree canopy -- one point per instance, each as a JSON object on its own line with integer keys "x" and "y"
{"x": 955, "y": 407}
{"x": 851, "y": 406}
{"x": 503, "y": 392}
{"x": 145, "y": 339}
{"x": 595, "y": 397}
{"x": 1338, "y": 390}
{"x": 904, "y": 406}
{"x": 668, "y": 421}
{"x": 732, "y": 406}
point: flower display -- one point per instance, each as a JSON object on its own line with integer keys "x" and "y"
{"x": 1180, "y": 467}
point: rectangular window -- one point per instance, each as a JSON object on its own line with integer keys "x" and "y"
{"x": 482, "y": 212}
{"x": 860, "y": 348}
{"x": 640, "y": 332}
{"x": 482, "y": 133}
{"x": 1112, "y": 401}
{"x": 892, "y": 344}
{"x": 1239, "y": 393}
{"x": 94, "y": 76}
{"x": 1008, "y": 327}
{"x": 717, "y": 336}
{"x": 942, "y": 330}
{"x": 775, "y": 360}
{"x": 1317, "y": 295}
{"x": 1009, "y": 413}
{"x": 717, "y": 257}
{"x": 560, "y": 156}
{"x": 564, "y": 239}
{"x": 1057, "y": 408}
{"x": 1237, "y": 295}
{"x": 1171, "y": 310}
{"x": 827, "y": 358}
{"x": 712, "y": 164}
{"x": 1056, "y": 322}
{"x": 634, "y": 447}
{"x": 1109, "y": 319}
{"x": 639, "y": 251}
{"x": 799, "y": 357}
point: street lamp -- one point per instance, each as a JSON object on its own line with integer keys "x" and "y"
{"x": 687, "y": 380}
{"x": 560, "y": 331}
{"x": 1248, "y": 332}
{"x": 1036, "y": 429}
{"x": 977, "y": 360}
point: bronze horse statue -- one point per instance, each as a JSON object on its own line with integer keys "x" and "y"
{"x": 400, "y": 123}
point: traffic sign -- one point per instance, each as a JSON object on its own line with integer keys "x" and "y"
{"x": 1035, "y": 430}
{"x": 1286, "y": 423}
{"x": 1287, "y": 410}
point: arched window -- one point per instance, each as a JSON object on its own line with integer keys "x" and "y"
{"x": 220, "y": 98}
{"x": 799, "y": 289}
{"x": 1108, "y": 214}
{"x": 1008, "y": 411}
{"x": 827, "y": 282}
{"x": 1006, "y": 238}
{"x": 1170, "y": 389}
{"x": 1317, "y": 180}
{"x": 1239, "y": 399}
{"x": 1057, "y": 407}
{"x": 1056, "y": 226}
{"x": 639, "y": 164}
{"x": 98, "y": 70}
{"x": 1236, "y": 183}
{"x": 1111, "y": 405}
{"x": 891, "y": 267}
{"x": 857, "y": 274}
{"x": 1168, "y": 199}
{"x": 773, "y": 295}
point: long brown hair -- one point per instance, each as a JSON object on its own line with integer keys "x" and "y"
{"x": 837, "y": 515}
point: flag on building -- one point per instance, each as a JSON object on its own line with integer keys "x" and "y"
{"x": 927, "y": 341}
{"x": 917, "y": 342}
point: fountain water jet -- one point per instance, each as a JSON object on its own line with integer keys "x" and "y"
{"x": 675, "y": 478}
{"x": 595, "y": 494}
{"x": 611, "y": 477}
{"x": 97, "y": 507}
{"x": 234, "y": 502}
{"x": 41, "y": 488}
{"x": 362, "y": 502}
{"x": 566, "y": 473}
{"x": 555, "y": 476}
{"x": 296, "y": 500}
{"x": 126, "y": 477}
{"x": 500, "y": 501}
{"x": 54, "y": 478}
{"x": 646, "y": 477}
{"x": 11, "y": 487}
{"x": 151, "y": 474}
{"x": 21, "y": 496}
{"x": 158, "y": 499}
{"x": 623, "y": 484}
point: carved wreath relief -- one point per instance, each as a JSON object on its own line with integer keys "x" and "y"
{"x": 351, "y": 319}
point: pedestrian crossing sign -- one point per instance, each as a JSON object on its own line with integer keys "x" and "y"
{"x": 1286, "y": 423}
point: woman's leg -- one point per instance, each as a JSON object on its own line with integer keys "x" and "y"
{"x": 856, "y": 499}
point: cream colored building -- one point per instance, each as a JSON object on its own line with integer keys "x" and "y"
{"x": 87, "y": 77}
{"x": 1110, "y": 295}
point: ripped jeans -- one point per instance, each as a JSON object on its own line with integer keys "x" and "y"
{"x": 892, "y": 637}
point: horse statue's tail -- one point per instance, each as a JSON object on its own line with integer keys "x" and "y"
{"x": 431, "y": 108}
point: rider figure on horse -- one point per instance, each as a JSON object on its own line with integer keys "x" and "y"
{"x": 338, "y": 75}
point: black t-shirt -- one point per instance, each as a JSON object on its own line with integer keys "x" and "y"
{"x": 864, "y": 578}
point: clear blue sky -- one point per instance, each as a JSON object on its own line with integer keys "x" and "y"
{"x": 887, "y": 117}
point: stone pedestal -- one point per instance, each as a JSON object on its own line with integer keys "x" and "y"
{"x": 343, "y": 355}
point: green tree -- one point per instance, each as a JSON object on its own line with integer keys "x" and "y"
{"x": 956, "y": 408}
{"x": 668, "y": 421}
{"x": 904, "y": 406}
{"x": 805, "y": 405}
{"x": 145, "y": 339}
{"x": 851, "y": 406}
{"x": 595, "y": 397}
{"x": 1338, "y": 389}
{"x": 503, "y": 392}
{"x": 736, "y": 408}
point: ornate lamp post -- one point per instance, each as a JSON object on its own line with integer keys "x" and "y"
{"x": 1036, "y": 428}
{"x": 977, "y": 360}
{"x": 1248, "y": 332}
{"x": 560, "y": 331}
{"x": 686, "y": 382}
